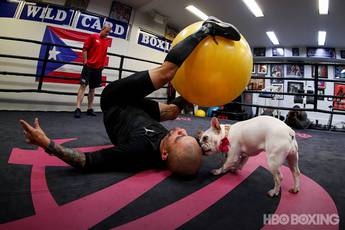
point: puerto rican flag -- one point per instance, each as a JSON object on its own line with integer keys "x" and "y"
{"x": 67, "y": 37}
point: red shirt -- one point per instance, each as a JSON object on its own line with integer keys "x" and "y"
{"x": 96, "y": 48}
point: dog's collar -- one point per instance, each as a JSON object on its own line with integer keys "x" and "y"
{"x": 225, "y": 142}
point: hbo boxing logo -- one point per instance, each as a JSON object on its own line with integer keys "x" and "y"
{"x": 301, "y": 219}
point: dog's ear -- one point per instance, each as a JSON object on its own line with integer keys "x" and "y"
{"x": 215, "y": 124}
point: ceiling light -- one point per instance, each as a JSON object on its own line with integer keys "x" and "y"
{"x": 197, "y": 12}
{"x": 323, "y": 6}
{"x": 254, "y": 8}
{"x": 322, "y": 38}
{"x": 272, "y": 36}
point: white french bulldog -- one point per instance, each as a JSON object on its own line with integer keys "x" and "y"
{"x": 249, "y": 138}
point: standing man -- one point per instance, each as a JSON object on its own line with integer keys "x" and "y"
{"x": 94, "y": 58}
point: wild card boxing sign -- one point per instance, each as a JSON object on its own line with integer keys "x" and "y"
{"x": 154, "y": 41}
{"x": 95, "y": 23}
{"x": 64, "y": 16}
{"x": 45, "y": 13}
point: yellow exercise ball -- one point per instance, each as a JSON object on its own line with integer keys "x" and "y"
{"x": 216, "y": 72}
{"x": 200, "y": 113}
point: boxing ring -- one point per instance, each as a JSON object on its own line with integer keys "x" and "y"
{"x": 41, "y": 78}
{"x": 41, "y": 192}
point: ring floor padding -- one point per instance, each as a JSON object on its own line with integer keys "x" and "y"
{"x": 39, "y": 191}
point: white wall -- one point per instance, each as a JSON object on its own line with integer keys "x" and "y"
{"x": 35, "y": 30}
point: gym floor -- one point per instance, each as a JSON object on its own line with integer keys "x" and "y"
{"x": 41, "y": 192}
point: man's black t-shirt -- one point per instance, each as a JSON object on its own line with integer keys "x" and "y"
{"x": 136, "y": 136}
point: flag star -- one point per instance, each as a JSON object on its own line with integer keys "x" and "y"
{"x": 53, "y": 53}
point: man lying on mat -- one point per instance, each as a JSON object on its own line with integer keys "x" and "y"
{"x": 132, "y": 121}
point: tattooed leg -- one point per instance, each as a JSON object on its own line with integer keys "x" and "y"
{"x": 72, "y": 157}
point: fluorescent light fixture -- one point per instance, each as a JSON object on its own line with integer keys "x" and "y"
{"x": 197, "y": 12}
{"x": 322, "y": 38}
{"x": 254, "y": 8}
{"x": 323, "y": 6}
{"x": 272, "y": 36}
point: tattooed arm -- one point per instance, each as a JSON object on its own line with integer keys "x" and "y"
{"x": 72, "y": 157}
{"x": 36, "y": 136}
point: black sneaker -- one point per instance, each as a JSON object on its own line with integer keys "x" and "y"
{"x": 90, "y": 112}
{"x": 77, "y": 113}
{"x": 213, "y": 26}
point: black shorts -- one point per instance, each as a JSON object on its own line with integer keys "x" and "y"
{"x": 90, "y": 76}
{"x": 132, "y": 91}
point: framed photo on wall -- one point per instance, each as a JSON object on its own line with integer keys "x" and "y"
{"x": 322, "y": 71}
{"x": 262, "y": 69}
{"x": 170, "y": 32}
{"x": 295, "y": 70}
{"x": 339, "y": 71}
{"x": 254, "y": 69}
{"x": 294, "y": 87}
{"x": 120, "y": 12}
{"x": 256, "y": 84}
{"x": 277, "y": 52}
{"x": 295, "y": 52}
{"x": 277, "y": 71}
{"x": 322, "y": 52}
{"x": 321, "y": 85}
{"x": 280, "y": 89}
{"x": 320, "y": 93}
{"x": 342, "y": 54}
{"x": 259, "y": 52}
{"x": 339, "y": 90}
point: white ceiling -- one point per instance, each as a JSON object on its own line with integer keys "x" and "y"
{"x": 295, "y": 22}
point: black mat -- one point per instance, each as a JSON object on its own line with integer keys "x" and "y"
{"x": 321, "y": 158}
